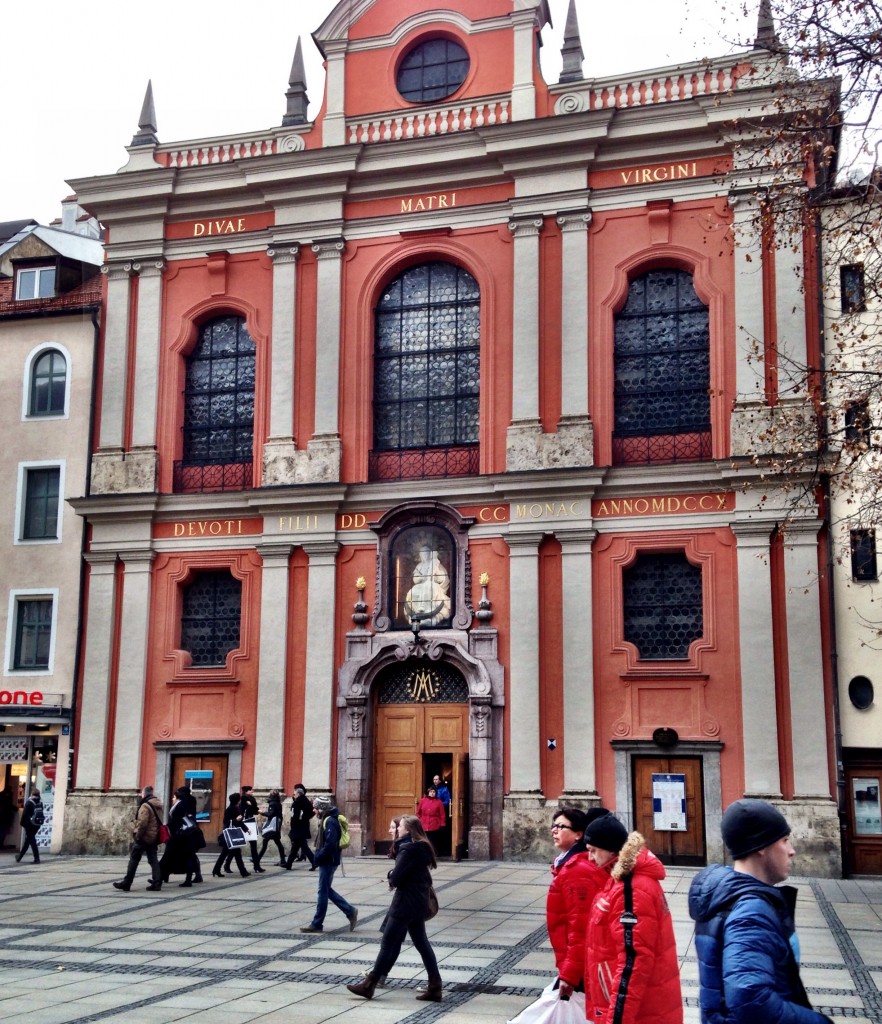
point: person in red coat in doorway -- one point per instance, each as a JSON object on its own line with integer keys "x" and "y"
{"x": 433, "y": 817}
{"x": 631, "y": 969}
{"x": 575, "y": 881}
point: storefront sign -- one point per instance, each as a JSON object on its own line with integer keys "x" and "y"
{"x": 664, "y": 505}
{"x": 668, "y": 802}
{"x": 33, "y": 698}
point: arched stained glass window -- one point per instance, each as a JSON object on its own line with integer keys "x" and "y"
{"x": 48, "y": 384}
{"x": 427, "y": 373}
{"x": 662, "y": 371}
{"x": 219, "y": 400}
{"x": 662, "y": 603}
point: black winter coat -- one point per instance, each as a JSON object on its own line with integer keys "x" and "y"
{"x": 301, "y": 815}
{"x": 411, "y": 879}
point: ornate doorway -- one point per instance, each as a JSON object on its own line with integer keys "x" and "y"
{"x": 422, "y": 730}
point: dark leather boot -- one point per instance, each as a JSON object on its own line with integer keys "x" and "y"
{"x": 365, "y": 987}
{"x": 432, "y": 992}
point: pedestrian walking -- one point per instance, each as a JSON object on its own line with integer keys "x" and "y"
{"x": 232, "y": 819}
{"x": 327, "y": 860}
{"x": 745, "y": 935}
{"x": 432, "y": 814}
{"x": 32, "y": 817}
{"x": 411, "y": 882}
{"x": 301, "y": 815}
{"x": 180, "y": 854}
{"x": 273, "y": 815}
{"x": 575, "y": 881}
{"x": 145, "y": 841}
{"x": 250, "y": 812}
{"x": 630, "y": 952}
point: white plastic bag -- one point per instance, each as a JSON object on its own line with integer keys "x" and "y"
{"x": 549, "y": 1008}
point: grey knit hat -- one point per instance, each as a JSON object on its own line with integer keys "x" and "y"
{"x": 751, "y": 825}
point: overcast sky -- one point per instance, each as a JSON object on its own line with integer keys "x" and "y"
{"x": 72, "y": 79}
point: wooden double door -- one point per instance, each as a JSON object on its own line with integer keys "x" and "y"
{"x": 414, "y": 742}
{"x": 685, "y": 844}
{"x": 209, "y": 788}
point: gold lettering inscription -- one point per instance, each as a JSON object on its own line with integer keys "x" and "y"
{"x": 290, "y": 524}
{"x": 350, "y": 521}
{"x": 212, "y": 528}
{"x": 668, "y": 172}
{"x": 419, "y": 204}
{"x": 227, "y": 226}
{"x": 670, "y": 504}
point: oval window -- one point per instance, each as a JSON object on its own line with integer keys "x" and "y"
{"x": 860, "y": 692}
{"x": 432, "y": 70}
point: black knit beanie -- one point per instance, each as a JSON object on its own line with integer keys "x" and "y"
{"x": 606, "y": 833}
{"x": 751, "y": 825}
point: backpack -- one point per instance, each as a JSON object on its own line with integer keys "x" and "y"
{"x": 344, "y": 832}
{"x": 39, "y": 815}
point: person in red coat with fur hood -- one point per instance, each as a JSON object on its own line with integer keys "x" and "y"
{"x": 631, "y": 970}
{"x": 575, "y": 881}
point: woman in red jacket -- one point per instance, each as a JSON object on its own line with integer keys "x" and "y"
{"x": 430, "y": 811}
{"x": 575, "y": 881}
{"x": 631, "y": 973}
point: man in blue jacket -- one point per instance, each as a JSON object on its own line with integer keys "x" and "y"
{"x": 327, "y": 859}
{"x": 748, "y": 951}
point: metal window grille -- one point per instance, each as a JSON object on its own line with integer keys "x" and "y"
{"x": 211, "y": 617}
{"x": 219, "y": 397}
{"x": 662, "y": 371}
{"x": 432, "y": 70}
{"x": 33, "y": 634}
{"x": 863, "y": 555}
{"x": 427, "y": 372}
{"x": 41, "y": 503}
{"x": 48, "y": 384}
{"x": 415, "y": 682}
{"x": 662, "y": 605}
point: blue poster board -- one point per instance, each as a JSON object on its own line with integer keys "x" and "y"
{"x": 201, "y": 786}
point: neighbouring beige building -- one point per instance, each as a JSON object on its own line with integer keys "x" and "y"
{"x": 50, "y": 298}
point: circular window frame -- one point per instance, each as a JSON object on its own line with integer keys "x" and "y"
{"x": 861, "y": 692}
{"x": 422, "y": 41}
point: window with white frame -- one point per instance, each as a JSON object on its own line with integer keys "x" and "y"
{"x": 35, "y": 283}
{"x": 31, "y": 630}
{"x": 40, "y": 488}
{"x": 48, "y": 384}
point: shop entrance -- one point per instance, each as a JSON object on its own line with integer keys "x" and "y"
{"x": 669, "y": 808}
{"x": 206, "y": 775}
{"x": 863, "y": 780}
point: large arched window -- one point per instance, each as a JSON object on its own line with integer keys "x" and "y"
{"x": 662, "y": 371}
{"x": 427, "y": 374}
{"x": 218, "y": 446}
{"x": 48, "y": 384}
{"x": 662, "y": 605}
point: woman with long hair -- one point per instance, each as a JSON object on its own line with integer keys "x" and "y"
{"x": 232, "y": 817}
{"x": 411, "y": 881}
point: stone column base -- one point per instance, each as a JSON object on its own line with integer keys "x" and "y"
{"x": 118, "y": 472}
{"x": 525, "y": 827}
{"x": 572, "y": 446}
{"x": 98, "y": 822}
{"x": 760, "y": 429}
{"x": 284, "y": 464}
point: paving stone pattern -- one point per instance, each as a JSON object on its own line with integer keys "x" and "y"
{"x": 75, "y": 950}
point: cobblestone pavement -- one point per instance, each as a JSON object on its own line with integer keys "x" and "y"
{"x": 229, "y": 951}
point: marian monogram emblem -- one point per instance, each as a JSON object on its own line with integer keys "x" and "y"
{"x": 423, "y": 684}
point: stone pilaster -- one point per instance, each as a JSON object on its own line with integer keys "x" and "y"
{"x": 91, "y": 743}
{"x": 280, "y": 452}
{"x": 269, "y": 756}
{"x": 318, "y": 702}
{"x": 759, "y": 716}
{"x": 132, "y": 674}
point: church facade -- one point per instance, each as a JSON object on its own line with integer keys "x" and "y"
{"x": 423, "y": 448}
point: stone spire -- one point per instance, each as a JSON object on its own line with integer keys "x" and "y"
{"x": 298, "y": 101}
{"x": 571, "y": 51}
{"x": 146, "y": 133}
{"x": 766, "y": 36}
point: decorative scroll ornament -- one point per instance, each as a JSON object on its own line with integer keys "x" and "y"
{"x": 356, "y": 717}
{"x": 570, "y": 103}
{"x": 480, "y": 719}
{"x": 292, "y": 144}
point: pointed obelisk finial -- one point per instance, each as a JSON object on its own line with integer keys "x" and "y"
{"x": 571, "y": 51}
{"x": 298, "y": 101}
{"x": 146, "y": 133}
{"x": 766, "y": 36}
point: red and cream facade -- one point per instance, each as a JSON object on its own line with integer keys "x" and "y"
{"x": 554, "y": 200}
